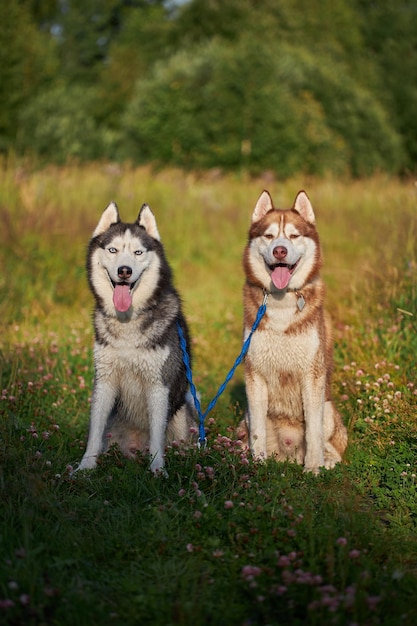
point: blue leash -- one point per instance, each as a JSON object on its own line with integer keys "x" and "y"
{"x": 202, "y": 416}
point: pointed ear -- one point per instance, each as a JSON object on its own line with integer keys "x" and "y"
{"x": 110, "y": 216}
{"x": 303, "y": 206}
{"x": 147, "y": 220}
{"x": 262, "y": 207}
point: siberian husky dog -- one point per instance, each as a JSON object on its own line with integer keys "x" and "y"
{"x": 289, "y": 362}
{"x": 140, "y": 394}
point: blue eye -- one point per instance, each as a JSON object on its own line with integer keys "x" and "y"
{"x": 112, "y": 250}
{"x": 138, "y": 252}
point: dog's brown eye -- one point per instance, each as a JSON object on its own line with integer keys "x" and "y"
{"x": 294, "y": 236}
{"x": 269, "y": 236}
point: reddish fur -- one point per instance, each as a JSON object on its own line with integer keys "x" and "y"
{"x": 288, "y": 431}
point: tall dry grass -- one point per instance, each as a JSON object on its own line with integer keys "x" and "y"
{"x": 368, "y": 233}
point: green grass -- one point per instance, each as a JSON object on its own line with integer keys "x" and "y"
{"x": 221, "y": 540}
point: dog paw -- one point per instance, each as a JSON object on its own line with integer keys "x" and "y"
{"x": 157, "y": 466}
{"x": 87, "y": 463}
{"x": 311, "y": 470}
{"x": 160, "y": 472}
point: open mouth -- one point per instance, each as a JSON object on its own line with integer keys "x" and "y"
{"x": 122, "y": 295}
{"x": 281, "y": 274}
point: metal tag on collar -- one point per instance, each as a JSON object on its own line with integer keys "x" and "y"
{"x": 300, "y": 301}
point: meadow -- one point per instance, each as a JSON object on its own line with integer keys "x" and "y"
{"x": 221, "y": 540}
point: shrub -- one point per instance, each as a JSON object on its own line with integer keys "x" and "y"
{"x": 260, "y": 106}
{"x": 58, "y": 124}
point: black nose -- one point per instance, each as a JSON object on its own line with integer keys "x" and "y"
{"x": 124, "y": 272}
{"x": 280, "y": 252}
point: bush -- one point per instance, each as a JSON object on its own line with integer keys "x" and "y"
{"x": 59, "y": 125}
{"x": 258, "y": 106}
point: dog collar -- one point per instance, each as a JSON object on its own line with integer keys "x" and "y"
{"x": 300, "y": 298}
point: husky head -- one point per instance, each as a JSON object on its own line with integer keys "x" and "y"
{"x": 124, "y": 261}
{"x": 283, "y": 250}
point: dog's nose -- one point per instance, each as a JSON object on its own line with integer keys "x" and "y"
{"x": 280, "y": 252}
{"x": 124, "y": 272}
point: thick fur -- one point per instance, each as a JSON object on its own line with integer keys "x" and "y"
{"x": 140, "y": 398}
{"x": 289, "y": 362}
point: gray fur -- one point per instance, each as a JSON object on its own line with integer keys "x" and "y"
{"x": 140, "y": 395}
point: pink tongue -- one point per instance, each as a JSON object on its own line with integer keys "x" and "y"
{"x": 122, "y": 298}
{"x": 281, "y": 277}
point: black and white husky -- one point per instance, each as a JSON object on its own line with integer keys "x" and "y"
{"x": 140, "y": 398}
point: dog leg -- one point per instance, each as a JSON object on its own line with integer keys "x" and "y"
{"x": 158, "y": 421}
{"x": 257, "y": 395}
{"x": 335, "y": 435}
{"x": 102, "y": 403}
{"x": 313, "y": 393}
{"x": 179, "y": 427}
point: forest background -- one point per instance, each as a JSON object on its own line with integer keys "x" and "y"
{"x": 283, "y": 85}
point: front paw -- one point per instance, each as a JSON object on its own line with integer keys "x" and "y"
{"x": 157, "y": 466}
{"x": 258, "y": 451}
{"x": 87, "y": 463}
{"x": 308, "y": 469}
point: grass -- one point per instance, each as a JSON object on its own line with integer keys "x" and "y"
{"x": 222, "y": 540}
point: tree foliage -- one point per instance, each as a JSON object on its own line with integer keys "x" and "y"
{"x": 283, "y": 85}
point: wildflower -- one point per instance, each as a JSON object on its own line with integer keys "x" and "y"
{"x": 181, "y": 493}
{"x": 249, "y": 572}
{"x": 218, "y": 553}
{"x": 354, "y": 554}
{"x": 189, "y": 547}
{"x": 228, "y": 504}
{"x": 372, "y": 602}
{"x": 6, "y": 604}
{"x": 342, "y": 541}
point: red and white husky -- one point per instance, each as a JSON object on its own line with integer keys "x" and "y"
{"x": 289, "y": 362}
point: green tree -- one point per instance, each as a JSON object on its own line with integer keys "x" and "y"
{"x": 59, "y": 125}
{"x": 390, "y": 32}
{"x": 28, "y": 63}
{"x": 260, "y": 106}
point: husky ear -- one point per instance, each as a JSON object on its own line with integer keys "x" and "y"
{"x": 110, "y": 216}
{"x": 147, "y": 219}
{"x": 303, "y": 206}
{"x": 262, "y": 207}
